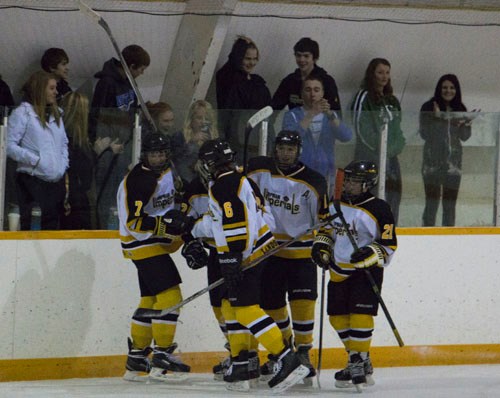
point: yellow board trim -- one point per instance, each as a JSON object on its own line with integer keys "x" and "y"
{"x": 100, "y": 234}
{"x": 202, "y": 362}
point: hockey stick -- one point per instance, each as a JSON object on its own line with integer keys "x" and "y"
{"x": 151, "y": 313}
{"x": 101, "y": 22}
{"x": 336, "y": 197}
{"x": 339, "y": 179}
{"x": 96, "y": 17}
{"x": 256, "y": 118}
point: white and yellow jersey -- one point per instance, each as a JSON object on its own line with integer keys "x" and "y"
{"x": 235, "y": 217}
{"x": 369, "y": 220}
{"x": 297, "y": 200}
{"x": 142, "y": 198}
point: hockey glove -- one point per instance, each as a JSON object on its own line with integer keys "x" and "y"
{"x": 230, "y": 267}
{"x": 173, "y": 224}
{"x": 322, "y": 252}
{"x": 368, "y": 256}
{"x": 195, "y": 254}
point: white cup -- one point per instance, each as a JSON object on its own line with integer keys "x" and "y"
{"x": 13, "y": 221}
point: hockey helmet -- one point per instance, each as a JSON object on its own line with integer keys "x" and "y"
{"x": 281, "y": 157}
{"x": 155, "y": 142}
{"x": 362, "y": 171}
{"x": 216, "y": 155}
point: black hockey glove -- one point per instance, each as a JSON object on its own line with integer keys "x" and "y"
{"x": 195, "y": 254}
{"x": 322, "y": 251}
{"x": 173, "y": 224}
{"x": 368, "y": 256}
{"x": 230, "y": 267}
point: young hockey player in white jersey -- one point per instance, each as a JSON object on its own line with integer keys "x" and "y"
{"x": 352, "y": 304}
{"x": 151, "y": 229}
{"x": 298, "y": 201}
{"x": 241, "y": 235}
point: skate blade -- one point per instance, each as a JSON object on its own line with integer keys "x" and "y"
{"x": 297, "y": 375}
{"x": 308, "y": 381}
{"x": 358, "y": 387}
{"x": 242, "y": 386}
{"x": 348, "y": 384}
{"x": 161, "y": 375}
{"x": 218, "y": 377}
{"x": 254, "y": 383}
{"x": 136, "y": 376}
{"x": 265, "y": 378}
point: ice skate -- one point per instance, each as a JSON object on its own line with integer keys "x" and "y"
{"x": 165, "y": 361}
{"x": 288, "y": 371}
{"x": 303, "y": 354}
{"x": 253, "y": 368}
{"x": 237, "y": 377}
{"x": 267, "y": 371}
{"x": 358, "y": 377}
{"x": 343, "y": 378}
{"x": 138, "y": 364}
{"x": 219, "y": 369}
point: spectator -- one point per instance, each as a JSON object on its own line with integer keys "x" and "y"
{"x": 37, "y": 141}
{"x": 319, "y": 127}
{"x": 443, "y": 132}
{"x": 163, "y": 116}
{"x": 6, "y": 98}
{"x": 239, "y": 89}
{"x": 200, "y": 126}
{"x": 373, "y": 106}
{"x": 111, "y": 118}
{"x": 288, "y": 93}
{"x": 56, "y": 61}
{"x": 81, "y": 162}
{"x": 6, "y": 104}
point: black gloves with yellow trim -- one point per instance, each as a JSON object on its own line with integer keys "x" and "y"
{"x": 322, "y": 250}
{"x": 368, "y": 256}
{"x": 173, "y": 224}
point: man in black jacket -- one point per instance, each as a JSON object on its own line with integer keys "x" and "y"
{"x": 306, "y": 53}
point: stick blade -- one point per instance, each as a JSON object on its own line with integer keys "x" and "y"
{"x": 259, "y": 116}
{"x": 88, "y": 11}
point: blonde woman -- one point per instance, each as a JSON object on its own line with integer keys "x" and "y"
{"x": 37, "y": 141}
{"x": 200, "y": 125}
{"x": 81, "y": 159}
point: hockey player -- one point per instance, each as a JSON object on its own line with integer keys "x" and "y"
{"x": 150, "y": 230}
{"x": 196, "y": 200}
{"x": 352, "y": 304}
{"x": 298, "y": 200}
{"x": 241, "y": 235}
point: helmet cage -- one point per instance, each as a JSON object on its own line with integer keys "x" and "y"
{"x": 291, "y": 138}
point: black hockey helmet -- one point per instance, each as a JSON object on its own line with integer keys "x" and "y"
{"x": 287, "y": 137}
{"x": 363, "y": 171}
{"x": 155, "y": 142}
{"x": 215, "y": 155}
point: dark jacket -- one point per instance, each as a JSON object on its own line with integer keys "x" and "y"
{"x": 443, "y": 139}
{"x": 63, "y": 88}
{"x": 6, "y": 98}
{"x": 288, "y": 92}
{"x": 114, "y": 100}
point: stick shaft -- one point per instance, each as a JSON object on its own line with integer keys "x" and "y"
{"x": 150, "y": 313}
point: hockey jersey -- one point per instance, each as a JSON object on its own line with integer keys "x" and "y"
{"x": 235, "y": 218}
{"x": 142, "y": 198}
{"x": 369, "y": 220}
{"x": 298, "y": 201}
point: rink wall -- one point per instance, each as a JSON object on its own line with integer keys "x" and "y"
{"x": 66, "y": 299}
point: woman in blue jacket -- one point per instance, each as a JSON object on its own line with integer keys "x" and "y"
{"x": 37, "y": 141}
